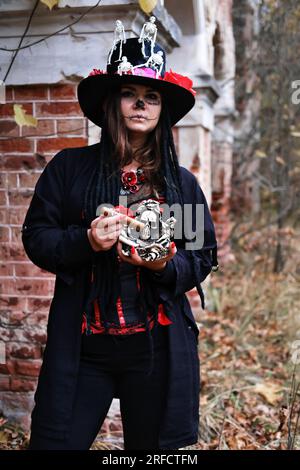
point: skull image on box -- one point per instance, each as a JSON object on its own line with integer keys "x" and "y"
{"x": 147, "y": 232}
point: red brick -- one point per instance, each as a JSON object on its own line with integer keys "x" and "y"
{"x": 37, "y": 335}
{"x": 20, "y": 197}
{"x": 9, "y": 94}
{"x": 7, "y": 368}
{"x": 16, "y": 145}
{"x": 39, "y": 304}
{"x": 3, "y": 179}
{"x": 7, "y": 110}
{"x": 9, "y": 129}
{"x": 3, "y": 198}
{"x": 12, "y": 252}
{"x": 31, "y": 93}
{"x": 71, "y": 126}
{"x": 21, "y": 162}
{"x": 22, "y": 385}
{"x": 48, "y": 158}
{"x": 23, "y": 350}
{"x": 13, "y": 302}
{"x": 28, "y": 286}
{"x": 29, "y": 368}
{"x": 16, "y": 235}
{"x": 12, "y": 180}
{"x": 28, "y": 180}
{"x": 6, "y": 269}
{"x": 3, "y": 216}
{"x": 63, "y": 92}
{"x": 30, "y": 270}
{"x": 44, "y": 127}
{"x": 39, "y": 320}
{"x": 17, "y": 319}
{"x": 4, "y": 383}
{"x": 56, "y": 144}
{"x": 4, "y": 234}
{"x": 16, "y": 216}
{"x": 58, "y": 108}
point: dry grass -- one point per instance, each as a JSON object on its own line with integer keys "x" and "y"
{"x": 246, "y": 349}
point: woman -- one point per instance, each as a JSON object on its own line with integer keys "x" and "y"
{"x": 119, "y": 326}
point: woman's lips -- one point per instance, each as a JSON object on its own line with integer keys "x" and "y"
{"x": 138, "y": 117}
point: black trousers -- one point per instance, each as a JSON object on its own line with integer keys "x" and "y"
{"x": 117, "y": 367}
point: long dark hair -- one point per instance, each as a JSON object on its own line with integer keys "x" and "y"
{"x": 161, "y": 161}
{"x": 148, "y": 155}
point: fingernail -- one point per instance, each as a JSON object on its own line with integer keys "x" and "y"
{"x": 132, "y": 250}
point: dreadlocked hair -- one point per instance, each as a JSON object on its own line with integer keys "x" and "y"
{"x": 104, "y": 187}
{"x": 171, "y": 156}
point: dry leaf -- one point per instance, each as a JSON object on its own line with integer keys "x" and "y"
{"x": 203, "y": 400}
{"x": 50, "y": 3}
{"x": 280, "y": 160}
{"x": 260, "y": 154}
{"x": 3, "y": 437}
{"x": 23, "y": 119}
{"x": 269, "y": 391}
{"x": 147, "y": 5}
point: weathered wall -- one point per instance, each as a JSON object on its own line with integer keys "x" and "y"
{"x": 245, "y": 193}
{"x": 222, "y": 65}
{"x": 26, "y": 290}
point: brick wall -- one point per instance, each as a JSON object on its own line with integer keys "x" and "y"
{"x": 26, "y": 290}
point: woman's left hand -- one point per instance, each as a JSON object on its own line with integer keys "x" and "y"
{"x": 157, "y": 265}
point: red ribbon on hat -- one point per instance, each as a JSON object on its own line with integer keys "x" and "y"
{"x": 180, "y": 80}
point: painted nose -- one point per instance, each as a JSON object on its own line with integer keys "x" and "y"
{"x": 140, "y": 104}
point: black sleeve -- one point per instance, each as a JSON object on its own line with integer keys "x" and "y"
{"x": 178, "y": 275}
{"x": 48, "y": 244}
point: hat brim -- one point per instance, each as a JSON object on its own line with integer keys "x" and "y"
{"x": 93, "y": 90}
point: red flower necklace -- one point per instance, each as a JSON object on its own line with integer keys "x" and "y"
{"x": 131, "y": 180}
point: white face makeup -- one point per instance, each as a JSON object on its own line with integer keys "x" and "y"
{"x": 140, "y": 107}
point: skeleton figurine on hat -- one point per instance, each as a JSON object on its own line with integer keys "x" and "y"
{"x": 148, "y": 33}
{"x": 119, "y": 36}
{"x": 125, "y": 66}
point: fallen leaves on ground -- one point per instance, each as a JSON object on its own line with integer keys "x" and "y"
{"x": 246, "y": 345}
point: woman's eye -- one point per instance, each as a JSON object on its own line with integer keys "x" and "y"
{"x": 126, "y": 94}
{"x": 152, "y": 96}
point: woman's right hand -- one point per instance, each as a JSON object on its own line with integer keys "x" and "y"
{"x": 105, "y": 231}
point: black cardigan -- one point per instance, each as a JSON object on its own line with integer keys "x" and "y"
{"x": 55, "y": 240}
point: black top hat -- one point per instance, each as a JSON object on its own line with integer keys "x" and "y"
{"x": 140, "y": 61}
